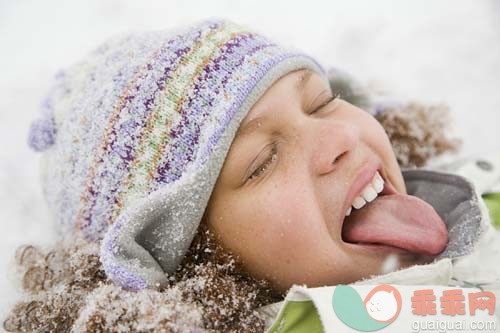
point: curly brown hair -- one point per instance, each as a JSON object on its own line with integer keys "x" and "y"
{"x": 418, "y": 132}
{"x": 66, "y": 290}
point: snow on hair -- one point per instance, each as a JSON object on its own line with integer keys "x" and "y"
{"x": 65, "y": 289}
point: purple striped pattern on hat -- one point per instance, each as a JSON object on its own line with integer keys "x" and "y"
{"x": 140, "y": 111}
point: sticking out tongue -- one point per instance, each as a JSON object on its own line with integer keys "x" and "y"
{"x": 398, "y": 220}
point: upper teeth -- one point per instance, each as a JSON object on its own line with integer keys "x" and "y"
{"x": 369, "y": 193}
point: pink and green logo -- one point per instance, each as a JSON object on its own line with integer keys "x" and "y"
{"x": 379, "y": 308}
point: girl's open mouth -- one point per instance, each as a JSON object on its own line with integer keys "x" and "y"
{"x": 390, "y": 222}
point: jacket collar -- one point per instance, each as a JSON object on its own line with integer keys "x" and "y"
{"x": 455, "y": 200}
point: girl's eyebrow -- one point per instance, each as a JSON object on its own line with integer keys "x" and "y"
{"x": 251, "y": 126}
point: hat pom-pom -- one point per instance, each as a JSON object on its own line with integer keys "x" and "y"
{"x": 41, "y": 134}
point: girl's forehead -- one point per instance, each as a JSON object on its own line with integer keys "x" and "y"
{"x": 293, "y": 84}
{"x": 280, "y": 93}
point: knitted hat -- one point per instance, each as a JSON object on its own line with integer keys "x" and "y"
{"x": 134, "y": 138}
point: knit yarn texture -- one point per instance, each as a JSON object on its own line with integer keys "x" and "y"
{"x": 134, "y": 137}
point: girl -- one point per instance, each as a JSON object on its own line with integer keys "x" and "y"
{"x": 211, "y": 151}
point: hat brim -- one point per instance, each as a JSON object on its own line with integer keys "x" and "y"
{"x": 149, "y": 239}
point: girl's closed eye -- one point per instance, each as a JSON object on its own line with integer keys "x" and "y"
{"x": 262, "y": 168}
{"x": 324, "y": 104}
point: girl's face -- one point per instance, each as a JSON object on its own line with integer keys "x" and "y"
{"x": 281, "y": 197}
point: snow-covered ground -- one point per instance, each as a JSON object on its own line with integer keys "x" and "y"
{"x": 442, "y": 51}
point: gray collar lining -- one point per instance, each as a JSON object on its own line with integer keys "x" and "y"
{"x": 456, "y": 202}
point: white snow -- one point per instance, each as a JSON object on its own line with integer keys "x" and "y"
{"x": 442, "y": 51}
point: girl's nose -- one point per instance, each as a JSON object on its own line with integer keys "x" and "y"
{"x": 331, "y": 141}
